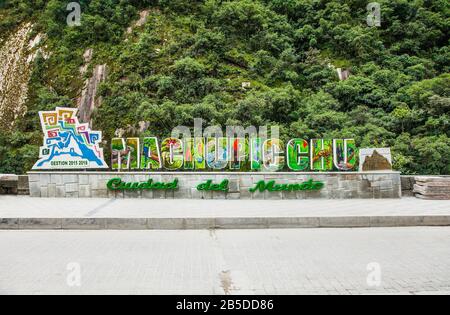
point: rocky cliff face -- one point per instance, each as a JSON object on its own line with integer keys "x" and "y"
{"x": 17, "y": 53}
{"x": 89, "y": 101}
{"x": 15, "y": 72}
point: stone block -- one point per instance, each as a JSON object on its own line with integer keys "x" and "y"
{"x": 85, "y": 191}
{"x": 84, "y": 224}
{"x": 234, "y": 186}
{"x": 207, "y": 195}
{"x": 273, "y": 195}
{"x": 219, "y": 195}
{"x": 242, "y": 223}
{"x": 40, "y": 224}
{"x": 44, "y": 192}
{"x": 406, "y": 221}
{"x": 44, "y": 179}
{"x": 364, "y": 185}
{"x": 184, "y": 193}
{"x": 436, "y": 221}
{"x": 33, "y": 177}
{"x": 286, "y": 223}
{"x": 112, "y": 194}
{"x": 35, "y": 189}
{"x": 166, "y": 224}
{"x": 233, "y": 196}
{"x": 126, "y": 224}
{"x": 23, "y": 182}
{"x": 159, "y": 194}
{"x": 72, "y": 195}
{"x": 60, "y": 191}
{"x": 387, "y": 194}
{"x": 83, "y": 179}
{"x": 100, "y": 193}
{"x": 386, "y": 185}
{"x": 70, "y": 188}
{"x": 147, "y": 194}
{"x": 257, "y": 195}
{"x": 52, "y": 191}
{"x": 9, "y": 224}
{"x": 313, "y": 195}
{"x": 70, "y": 179}
{"x": 246, "y": 181}
{"x": 132, "y": 194}
{"x": 301, "y": 195}
{"x": 195, "y": 194}
{"x": 384, "y": 221}
{"x": 350, "y": 222}
{"x": 56, "y": 179}
{"x": 141, "y": 178}
{"x": 245, "y": 194}
{"x": 199, "y": 223}
{"x": 170, "y": 194}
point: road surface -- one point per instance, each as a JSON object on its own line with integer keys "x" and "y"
{"x": 297, "y": 261}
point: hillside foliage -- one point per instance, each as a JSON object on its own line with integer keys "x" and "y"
{"x": 190, "y": 59}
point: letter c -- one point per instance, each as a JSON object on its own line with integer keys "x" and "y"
{"x": 114, "y": 184}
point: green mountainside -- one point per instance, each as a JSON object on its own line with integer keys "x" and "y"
{"x": 190, "y": 58}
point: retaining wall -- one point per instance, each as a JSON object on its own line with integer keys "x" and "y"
{"x": 336, "y": 185}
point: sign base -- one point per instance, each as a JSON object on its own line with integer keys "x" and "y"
{"x": 245, "y": 186}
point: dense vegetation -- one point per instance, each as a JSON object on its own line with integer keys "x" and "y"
{"x": 190, "y": 59}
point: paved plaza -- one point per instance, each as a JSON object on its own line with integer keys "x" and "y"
{"x": 27, "y": 207}
{"x": 289, "y": 261}
{"x": 23, "y": 206}
{"x": 22, "y": 213}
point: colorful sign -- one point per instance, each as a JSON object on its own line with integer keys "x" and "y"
{"x": 375, "y": 160}
{"x": 235, "y": 154}
{"x": 68, "y": 144}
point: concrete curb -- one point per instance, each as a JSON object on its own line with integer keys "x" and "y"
{"x": 219, "y": 223}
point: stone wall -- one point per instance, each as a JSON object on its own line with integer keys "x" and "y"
{"x": 408, "y": 182}
{"x": 14, "y": 185}
{"x": 408, "y": 185}
{"x": 337, "y": 185}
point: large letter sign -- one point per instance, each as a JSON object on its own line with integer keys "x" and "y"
{"x": 67, "y": 143}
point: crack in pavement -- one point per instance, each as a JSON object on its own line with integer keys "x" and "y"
{"x": 230, "y": 281}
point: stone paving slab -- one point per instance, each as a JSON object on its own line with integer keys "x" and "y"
{"x": 290, "y": 261}
{"x": 139, "y": 214}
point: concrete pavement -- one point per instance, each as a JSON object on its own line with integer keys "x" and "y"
{"x": 142, "y": 214}
{"x": 302, "y": 261}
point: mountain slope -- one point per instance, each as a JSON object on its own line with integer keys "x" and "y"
{"x": 170, "y": 61}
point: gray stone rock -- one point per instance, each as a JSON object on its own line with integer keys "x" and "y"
{"x": 56, "y": 179}
{"x": 70, "y": 179}
{"x": 70, "y": 188}
{"x": 101, "y": 193}
{"x": 83, "y": 224}
{"x": 83, "y": 179}
{"x": 9, "y": 224}
{"x": 85, "y": 191}
{"x": 35, "y": 189}
{"x": 52, "y": 191}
